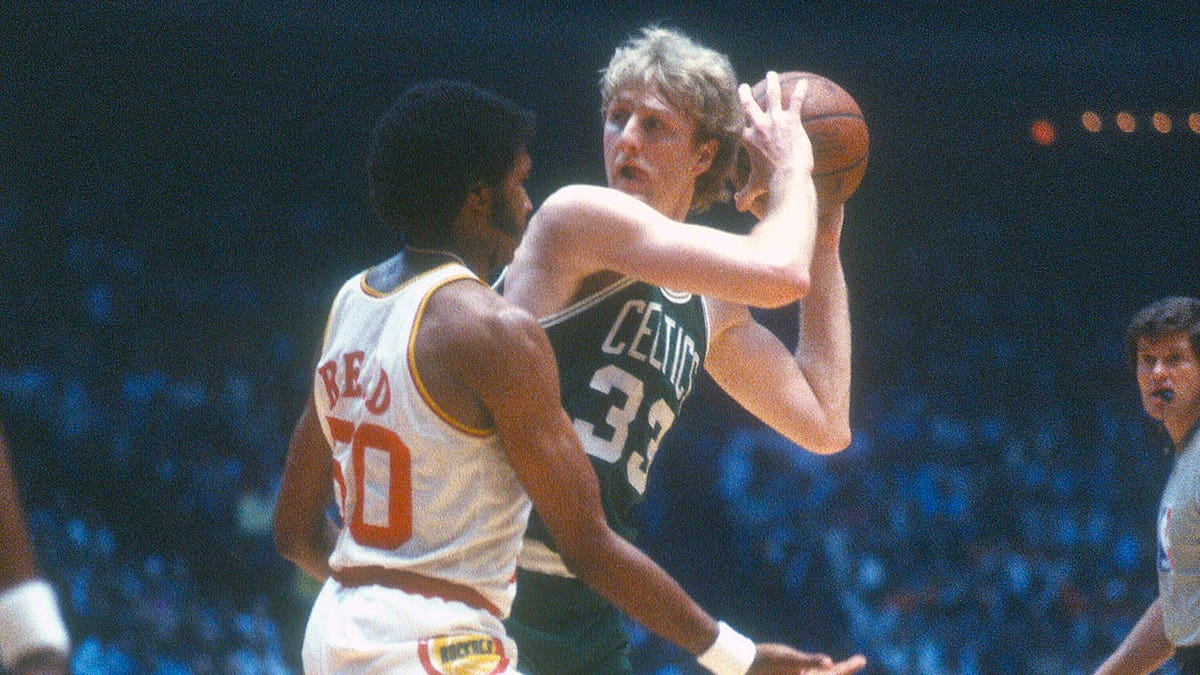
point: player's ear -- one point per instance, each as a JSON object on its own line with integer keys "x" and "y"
{"x": 478, "y": 202}
{"x": 479, "y": 196}
{"x": 474, "y": 211}
{"x": 706, "y": 151}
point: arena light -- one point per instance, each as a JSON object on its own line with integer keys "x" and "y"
{"x": 1043, "y": 132}
{"x": 1126, "y": 122}
{"x": 1194, "y": 122}
{"x": 1161, "y": 122}
{"x": 1091, "y": 121}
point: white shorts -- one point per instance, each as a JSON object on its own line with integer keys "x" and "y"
{"x": 373, "y": 629}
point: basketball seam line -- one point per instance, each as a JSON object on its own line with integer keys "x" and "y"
{"x": 830, "y": 116}
{"x": 843, "y": 169}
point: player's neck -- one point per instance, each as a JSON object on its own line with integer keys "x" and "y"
{"x": 409, "y": 262}
{"x": 1182, "y": 430}
{"x": 434, "y": 253}
{"x": 680, "y": 207}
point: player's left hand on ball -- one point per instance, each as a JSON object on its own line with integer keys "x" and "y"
{"x": 778, "y": 659}
{"x": 774, "y": 138}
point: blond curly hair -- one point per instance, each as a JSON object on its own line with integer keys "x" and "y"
{"x": 693, "y": 78}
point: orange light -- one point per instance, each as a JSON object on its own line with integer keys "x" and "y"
{"x": 1126, "y": 122}
{"x": 1090, "y": 121}
{"x": 1042, "y": 132}
{"x": 1161, "y": 122}
{"x": 1194, "y": 122}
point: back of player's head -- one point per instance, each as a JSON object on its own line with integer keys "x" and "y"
{"x": 1170, "y": 315}
{"x": 436, "y": 142}
{"x": 693, "y": 78}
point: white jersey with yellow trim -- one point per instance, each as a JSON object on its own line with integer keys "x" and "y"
{"x": 416, "y": 490}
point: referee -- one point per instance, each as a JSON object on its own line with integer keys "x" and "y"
{"x": 1163, "y": 345}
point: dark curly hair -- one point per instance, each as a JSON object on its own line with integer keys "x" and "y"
{"x": 437, "y": 141}
{"x": 1176, "y": 314}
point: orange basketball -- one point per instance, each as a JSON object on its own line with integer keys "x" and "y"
{"x": 836, "y": 127}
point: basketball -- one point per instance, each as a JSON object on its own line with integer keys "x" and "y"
{"x": 836, "y": 127}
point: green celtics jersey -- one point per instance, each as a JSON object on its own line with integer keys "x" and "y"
{"x": 628, "y": 356}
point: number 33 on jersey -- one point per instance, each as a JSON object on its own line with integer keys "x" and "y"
{"x": 628, "y": 357}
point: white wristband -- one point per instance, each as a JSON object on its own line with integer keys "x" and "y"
{"x": 29, "y": 621}
{"x": 730, "y": 654}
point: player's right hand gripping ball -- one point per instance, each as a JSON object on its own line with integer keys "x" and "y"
{"x": 836, "y": 127}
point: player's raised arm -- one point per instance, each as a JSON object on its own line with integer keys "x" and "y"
{"x": 585, "y": 229}
{"x": 804, "y": 394}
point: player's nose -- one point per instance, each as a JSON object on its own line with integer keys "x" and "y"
{"x": 630, "y": 136}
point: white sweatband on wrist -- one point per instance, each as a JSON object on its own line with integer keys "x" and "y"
{"x": 730, "y": 654}
{"x": 30, "y": 621}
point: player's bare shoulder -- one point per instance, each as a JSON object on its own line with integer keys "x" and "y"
{"x": 469, "y": 323}
{"x": 460, "y": 335}
{"x": 475, "y": 312}
{"x": 486, "y": 351}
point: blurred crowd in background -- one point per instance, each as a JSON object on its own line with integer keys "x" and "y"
{"x": 182, "y": 192}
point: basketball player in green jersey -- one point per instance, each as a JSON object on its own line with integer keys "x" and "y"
{"x": 635, "y": 301}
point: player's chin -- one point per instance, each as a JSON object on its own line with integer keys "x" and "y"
{"x": 1155, "y": 407}
{"x": 630, "y": 182}
{"x": 501, "y": 247}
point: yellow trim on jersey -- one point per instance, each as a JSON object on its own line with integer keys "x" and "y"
{"x": 328, "y": 322}
{"x": 412, "y": 363}
{"x": 370, "y": 292}
{"x": 375, "y": 293}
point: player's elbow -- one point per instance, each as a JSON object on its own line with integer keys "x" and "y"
{"x": 308, "y": 551}
{"x": 831, "y": 442}
{"x": 294, "y": 538}
{"x": 778, "y": 285}
{"x": 791, "y": 282}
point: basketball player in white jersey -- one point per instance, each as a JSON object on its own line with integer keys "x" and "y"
{"x": 33, "y": 637}
{"x": 435, "y": 418}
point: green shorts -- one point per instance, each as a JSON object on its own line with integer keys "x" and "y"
{"x": 561, "y": 627}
